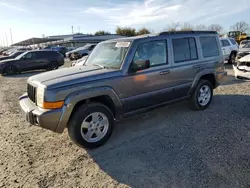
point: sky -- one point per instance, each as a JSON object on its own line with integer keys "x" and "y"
{"x": 28, "y": 18}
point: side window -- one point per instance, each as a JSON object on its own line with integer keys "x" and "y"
{"x": 155, "y": 52}
{"x": 225, "y": 43}
{"x": 40, "y": 54}
{"x": 233, "y": 41}
{"x": 209, "y": 46}
{"x": 184, "y": 49}
{"x": 30, "y": 55}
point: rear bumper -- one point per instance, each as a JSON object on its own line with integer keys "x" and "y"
{"x": 220, "y": 78}
{"x": 48, "y": 119}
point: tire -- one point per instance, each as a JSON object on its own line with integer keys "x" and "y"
{"x": 52, "y": 66}
{"x": 10, "y": 70}
{"x": 84, "y": 135}
{"x": 195, "y": 103}
{"x": 232, "y": 58}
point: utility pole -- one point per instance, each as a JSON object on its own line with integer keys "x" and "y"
{"x": 79, "y": 28}
{"x": 6, "y": 39}
{"x": 72, "y": 27}
{"x": 11, "y": 37}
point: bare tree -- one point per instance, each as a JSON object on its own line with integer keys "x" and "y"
{"x": 173, "y": 26}
{"x": 215, "y": 27}
{"x": 240, "y": 26}
{"x": 201, "y": 27}
{"x": 143, "y": 31}
{"x": 187, "y": 27}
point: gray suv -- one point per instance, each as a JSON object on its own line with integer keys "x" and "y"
{"x": 122, "y": 77}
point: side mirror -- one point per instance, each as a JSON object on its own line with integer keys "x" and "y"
{"x": 139, "y": 65}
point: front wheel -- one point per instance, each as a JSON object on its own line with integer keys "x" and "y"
{"x": 91, "y": 125}
{"x": 10, "y": 70}
{"x": 202, "y": 96}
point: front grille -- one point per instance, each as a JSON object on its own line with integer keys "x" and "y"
{"x": 31, "y": 92}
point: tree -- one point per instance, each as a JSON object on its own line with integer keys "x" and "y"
{"x": 143, "y": 31}
{"x": 187, "y": 27}
{"x": 200, "y": 27}
{"x": 240, "y": 26}
{"x": 173, "y": 26}
{"x": 215, "y": 27}
{"x": 126, "y": 31}
{"x": 97, "y": 33}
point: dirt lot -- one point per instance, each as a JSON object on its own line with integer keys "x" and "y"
{"x": 168, "y": 147}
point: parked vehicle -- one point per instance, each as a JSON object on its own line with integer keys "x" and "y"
{"x": 12, "y": 56}
{"x": 242, "y": 43}
{"x": 80, "y": 52}
{"x": 243, "y": 51}
{"x": 60, "y": 49}
{"x": 238, "y": 36}
{"x": 242, "y": 67}
{"x": 80, "y": 62}
{"x": 32, "y": 60}
{"x": 230, "y": 49}
{"x": 122, "y": 77}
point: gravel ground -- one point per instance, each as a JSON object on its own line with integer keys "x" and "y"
{"x": 168, "y": 147}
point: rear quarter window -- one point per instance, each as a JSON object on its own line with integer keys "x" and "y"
{"x": 209, "y": 46}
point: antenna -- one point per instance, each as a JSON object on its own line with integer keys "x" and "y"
{"x": 11, "y": 37}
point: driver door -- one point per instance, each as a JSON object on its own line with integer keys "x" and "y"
{"x": 151, "y": 86}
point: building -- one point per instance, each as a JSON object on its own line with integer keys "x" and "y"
{"x": 76, "y": 40}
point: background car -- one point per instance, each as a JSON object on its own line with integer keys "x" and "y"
{"x": 80, "y": 52}
{"x": 242, "y": 67}
{"x": 60, "y": 49}
{"x": 32, "y": 60}
{"x": 242, "y": 43}
{"x": 80, "y": 62}
{"x": 12, "y": 56}
{"x": 243, "y": 51}
{"x": 229, "y": 48}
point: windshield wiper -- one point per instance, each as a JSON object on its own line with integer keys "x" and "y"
{"x": 103, "y": 67}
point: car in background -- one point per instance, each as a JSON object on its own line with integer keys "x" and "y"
{"x": 243, "y": 51}
{"x": 242, "y": 68}
{"x": 242, "y": 43}
{"x": 32, "y": 60}
{"x": 229, "y": 48}
{"x": 12, "y": 56}
{"x": 80, "y": 52}
{"x": 80, "y": 62}
{"x": 60, "y": 49}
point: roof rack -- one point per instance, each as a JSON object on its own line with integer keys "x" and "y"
{"x": 187, "y": 32}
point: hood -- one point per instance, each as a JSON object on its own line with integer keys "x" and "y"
{"x": 7, "y": 57}
{"x": 245, "y": 59}
{"x": 8, "y": 60}
{"x": 72, "y": 76}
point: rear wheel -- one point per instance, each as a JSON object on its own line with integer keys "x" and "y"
{"x": 202, "y": 96}
{"x": 10, "y": 70}
{"x": 53, "y": 66}
{"x": 232, "y": 58}
{"x": 91, "y": 125}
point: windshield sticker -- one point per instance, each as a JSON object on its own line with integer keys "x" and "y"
{"x": 122, "y": 44}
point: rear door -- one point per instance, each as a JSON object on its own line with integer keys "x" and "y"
{"x": 186, "y": 64}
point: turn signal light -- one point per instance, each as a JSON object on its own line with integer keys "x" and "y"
{"x": 53, "y": 105}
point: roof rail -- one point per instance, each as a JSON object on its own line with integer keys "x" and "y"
{"x": 187, "y": 32}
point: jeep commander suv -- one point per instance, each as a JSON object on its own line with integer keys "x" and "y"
{"x": 122, "y": 77}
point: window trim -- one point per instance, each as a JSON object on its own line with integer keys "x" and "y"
{"x": 167, "y": 55}
{"x": 184, "y": 61}
{"x": 218, "y": 42}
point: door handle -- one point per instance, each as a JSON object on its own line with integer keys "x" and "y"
{"x": 165, "y": 72}
{"x": 197, "y": 66}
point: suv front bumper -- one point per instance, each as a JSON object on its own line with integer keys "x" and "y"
{"x": 48, "y": 119}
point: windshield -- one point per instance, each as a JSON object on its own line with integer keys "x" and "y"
{"x": 21, "y": 55}
{"x": 246, "y": 45}
{"x": 109, "y": 55}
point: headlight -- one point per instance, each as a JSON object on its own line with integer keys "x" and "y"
{"x": 40, "y": 96}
